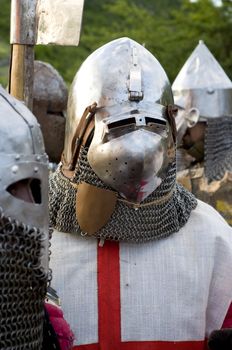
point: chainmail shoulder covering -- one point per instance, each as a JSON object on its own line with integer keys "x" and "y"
{"x": 126, "y": 223}
{"x": 218, "y": 148}
{"x": 23, "y": 283}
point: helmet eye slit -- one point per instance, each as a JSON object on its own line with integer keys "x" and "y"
{"x": 28, "y": 190}
{"x": 117, "y": 128}
{"x": 150, "y": 120}
{"x": 121, "y": 123}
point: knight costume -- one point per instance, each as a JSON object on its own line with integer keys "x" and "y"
{"x": 204, "y": 92}
{"x": 24, "y": 234}
{"x": 139, "y": 263}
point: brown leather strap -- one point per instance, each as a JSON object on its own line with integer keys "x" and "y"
{"x": 66, "y": 168}
{"x": 171, "y": 114}
{"x": 80, "y": 138}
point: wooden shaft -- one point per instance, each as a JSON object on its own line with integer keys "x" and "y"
{"x": 21, "y": 73}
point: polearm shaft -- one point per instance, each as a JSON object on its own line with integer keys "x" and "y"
{"x": 21, "y": 73}
{"x": 23, "y": 32}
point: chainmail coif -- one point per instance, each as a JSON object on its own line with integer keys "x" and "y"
{"x": 218, "y": 148}
{"x": 126, "y": 224}
{"x": 23, "y": 284}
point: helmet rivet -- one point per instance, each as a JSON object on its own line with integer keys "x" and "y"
{"x": 36, "y": 169}
{"x": 17, "y": 157}
{"x": 210, "y": 91}
{"x": 38, "y": 158}
{"x": 14, "y": 169}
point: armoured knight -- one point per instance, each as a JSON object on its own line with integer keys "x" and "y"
{"x": 203, "y": 92}
{"x": 24, "y": 234}
{"x": 139, "y": 263}
{"x": 27, "y": 321}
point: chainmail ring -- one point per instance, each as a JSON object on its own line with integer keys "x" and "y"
{"x": 218, "y": 148}
{"x": 23, "y": 284}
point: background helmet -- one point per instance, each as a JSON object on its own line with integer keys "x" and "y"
{"x": 50, "y": 95}
{"x": 203, "y": 84}
{"x": 204, "y": 92}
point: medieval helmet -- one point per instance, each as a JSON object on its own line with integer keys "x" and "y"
{"x": 23, "y": 226}
{"x": 204, "y": 92}
{"x": 132, "y": 142}
{"x": 117, "y": 178}
{"x": 50, "y": 95}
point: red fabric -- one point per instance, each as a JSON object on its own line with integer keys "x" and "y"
{"x": 228, "y": 319}
{"x": 61, "y": 327}
{"x": 109, "y": 296}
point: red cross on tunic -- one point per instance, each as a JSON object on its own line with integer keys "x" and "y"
{"x": 109, "y": 327}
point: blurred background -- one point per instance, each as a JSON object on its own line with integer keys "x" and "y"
{"x": 170, "y": 29}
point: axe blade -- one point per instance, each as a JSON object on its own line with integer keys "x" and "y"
{"x": 44, "y": 22}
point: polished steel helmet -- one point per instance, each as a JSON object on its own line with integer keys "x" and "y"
{"x": 132, "y": 143}
{"x": 203, "y": 92}
{"x": 119, "y": 150}
{"x": 22, "y": 157}
{"x": 202, "y": 87}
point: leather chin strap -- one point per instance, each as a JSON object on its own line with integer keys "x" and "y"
{"x": 80, "y": 138}
{"x": 171, "y": 114}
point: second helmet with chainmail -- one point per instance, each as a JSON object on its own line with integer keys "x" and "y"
{"x": 204, "y": 91}
{"x": 24, "y": 269}
{"x": 117, "y": 175}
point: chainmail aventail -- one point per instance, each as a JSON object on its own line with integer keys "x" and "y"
{"x": 23, "y": 283}
{"x": 218, "y": 146}
{"x": 126, "y": 223}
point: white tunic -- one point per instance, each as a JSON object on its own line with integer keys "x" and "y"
{"x": 174, "y": 290}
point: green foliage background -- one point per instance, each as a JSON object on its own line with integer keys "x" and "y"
{"x": 170, "y": 29}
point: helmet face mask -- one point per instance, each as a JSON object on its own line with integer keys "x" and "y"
{"x": 30, "y": 176}
{"x": 23, "y": 159}
{"x": 129, "y": 150}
